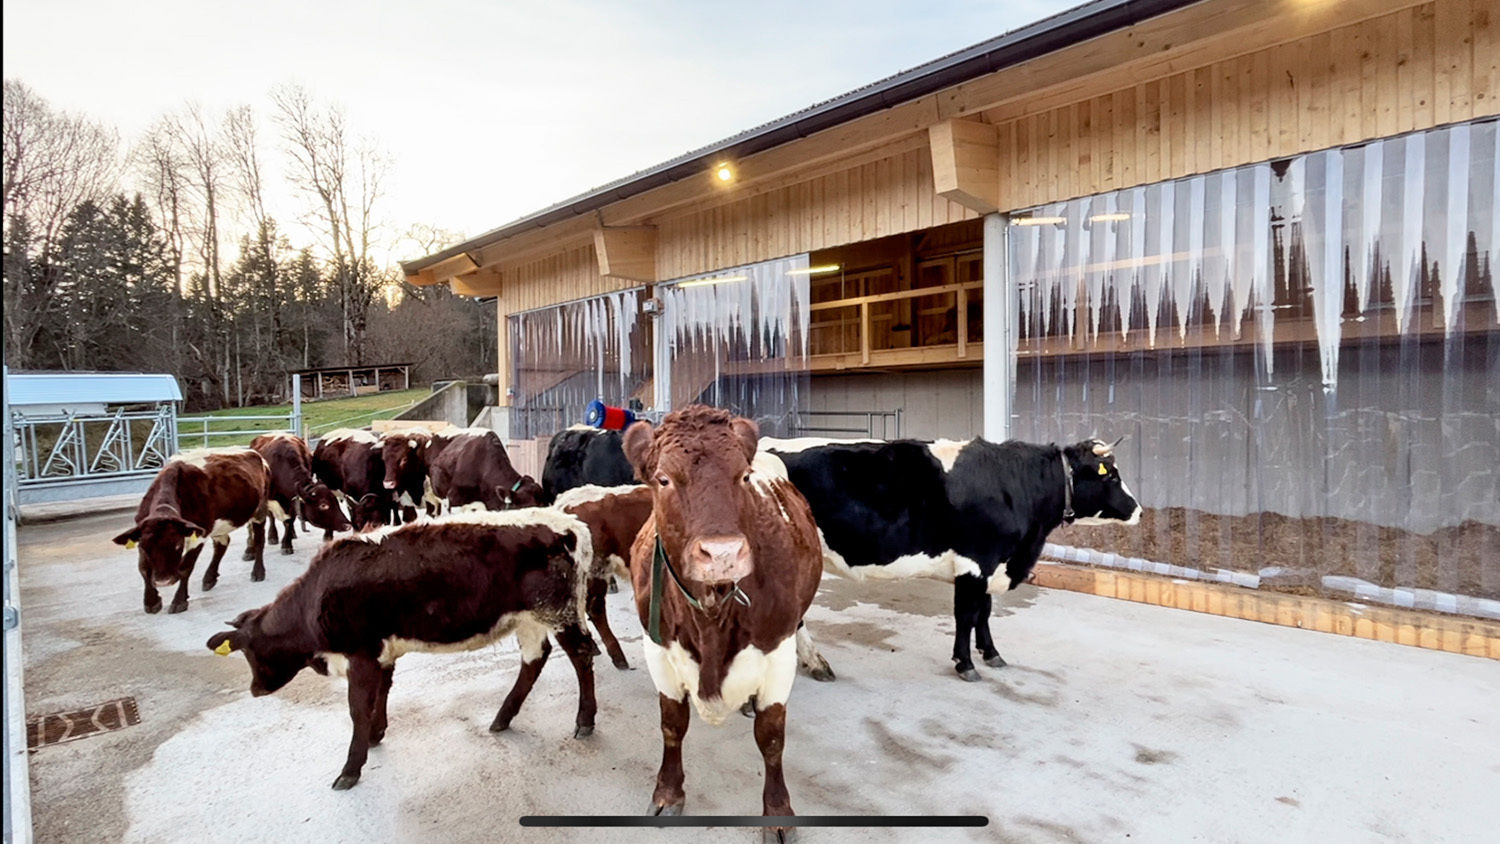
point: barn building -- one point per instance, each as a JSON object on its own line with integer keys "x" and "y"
{"x": 1255, "y": 237}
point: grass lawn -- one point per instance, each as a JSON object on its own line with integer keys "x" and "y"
{"x": 317, "y": 417}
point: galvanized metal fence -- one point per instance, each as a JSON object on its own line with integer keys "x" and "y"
{"x": 17, "y": 777}
{"x": 874, "y": 424}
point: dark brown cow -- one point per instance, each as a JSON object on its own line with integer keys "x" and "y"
{"x": 468, "y": 467}
{"x": 614, "y": 515}
{"x": 348, "y": 460}
{"x": 451, "y": 584}
{"x": 198, "y": 495}
{"x": 294, "y": 490}
{"x": 405, "y": 456}
{"x": 723, "y": 572}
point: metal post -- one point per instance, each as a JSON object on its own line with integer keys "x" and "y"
{"x": 17, "y": 766}
{"x": 297, "y": 404}
{"x": 999, "y": 331}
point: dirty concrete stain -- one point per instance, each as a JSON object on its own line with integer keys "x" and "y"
{"x": 904, "y": 748}
{"x": 1290, "y": 801}
{"x": 1054, "y": 831}
{"x": 857, "y": 632}
{"x": 1147, "y": 756}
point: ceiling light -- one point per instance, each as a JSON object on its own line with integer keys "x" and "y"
{"x": 704, "y": 282}
{"x": 724, "y": 172}
{"x": 1112, "y": 217}
{"x": 826, "y": 268}
{"x": 1038, "y": 221}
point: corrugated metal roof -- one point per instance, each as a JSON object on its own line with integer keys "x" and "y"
{"x": 1053, "y": 33}
{"x": 29, "y": 388}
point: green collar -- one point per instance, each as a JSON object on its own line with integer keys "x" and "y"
{"x": 660, "y": 561}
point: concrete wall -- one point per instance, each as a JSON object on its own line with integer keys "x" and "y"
{"x": 449, "y": 403}
{"x": 942, "y": 403}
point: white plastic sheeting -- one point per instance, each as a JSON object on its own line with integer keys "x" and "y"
{"x": 738, "y": 338}
{"x": 1311, "y": 337}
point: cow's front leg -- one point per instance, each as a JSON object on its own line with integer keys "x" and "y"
{"x": 258, "y": 549}
{"x": 152, "y": 597}
{"x": 808, "y": 657}
{"x": 576, "y": 644}
{"x": 211, "y": 574}
{"x": 669, "y": 796}
{"x": 365, "y": 677}
{"x": 982, "y": 637}
{"x": 770, "y": 735}
{"x": 534, "y": 650}
{"x": 286, "y": 537}
{"x": 967, "y": 590}
{"x": 184, "y": 574}
{"x": 378, "y": 723}
{"x": 600, "y": 619}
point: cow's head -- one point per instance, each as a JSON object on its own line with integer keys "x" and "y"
{"x": 161, "y": 542}
{"x": 274, "y": 660}
{"x": 370, "y": 511}
{"x": 321, "y": 507}
{"x": 522, "y": 492}
{"x": 1099, "y": 493}
{"x": 401, "y": 451}
{"x": 697, "y": 464}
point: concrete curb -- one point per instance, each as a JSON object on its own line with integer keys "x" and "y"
{"x": 59, "y": 511}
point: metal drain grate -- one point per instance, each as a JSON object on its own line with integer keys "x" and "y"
{"x": 59, "y": 727}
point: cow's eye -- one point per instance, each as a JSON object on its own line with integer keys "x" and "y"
{"x": 663, "y": 481}
{"x": 746, "y": 479}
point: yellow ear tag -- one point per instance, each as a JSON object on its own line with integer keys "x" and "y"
{"x": 1103, "y": 470}
{"x": 223, "y": 649}
{"x": 130, "y": 543}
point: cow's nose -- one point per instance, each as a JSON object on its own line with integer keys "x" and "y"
{"x": 722, "y": 559}
{"x": 390, "y": 484}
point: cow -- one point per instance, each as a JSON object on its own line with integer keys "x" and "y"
{"x": 468, "y": 467}
{"x": 583, "y": 455}
{"x": 953, "y": 510}
{"x": 294, "y": 490}
{"x": 723, "y": 571}
{"x": 614, "y": 516}
{"x": 454, "y": 583}
{"x": 405, "y": 456}
{"x": 197, "y": 495}
{"x": 348, "y": 460}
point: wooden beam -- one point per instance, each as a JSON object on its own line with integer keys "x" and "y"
{"x": 626, "y": 252}
{"x": 966, "y": 163}
{"x": 478, "y": 283}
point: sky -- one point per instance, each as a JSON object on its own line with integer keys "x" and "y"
{"x": 487, "y": 111}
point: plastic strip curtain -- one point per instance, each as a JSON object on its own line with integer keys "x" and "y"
{"x": 565, "y": 356}
{"x": 737, "y": 338}
{"x": 1304, "y": 355}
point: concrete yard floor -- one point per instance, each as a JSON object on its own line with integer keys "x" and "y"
{"x": 1114, "y": 721}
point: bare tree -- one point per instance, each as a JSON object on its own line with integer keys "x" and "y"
{"x": 52, "y": 162}
{"x": 343, "y": 177}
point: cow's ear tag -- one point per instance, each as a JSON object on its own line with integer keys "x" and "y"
{"x": 1103, "y": 470}
{"x": 224, "y": 648}
{"x": 198, "y": 537}
{"x": 130, "y": 543}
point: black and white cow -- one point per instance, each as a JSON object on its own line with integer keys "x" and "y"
{"x": 583, "y": 455}
{"x": 956, "y": 511}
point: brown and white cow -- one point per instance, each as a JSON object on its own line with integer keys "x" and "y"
{"x": 614, "y": 515}
{"x": 349, "y": 461}
{"x": 404, "y": 453}
{"x": 198, "y": 495}
{"x": 294, "y": 490}
{"x": 449, "y": 584}
{"x": 468, "y": 467}
{"x": 723, "y": 572}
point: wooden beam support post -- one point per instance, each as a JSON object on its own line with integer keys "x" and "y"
{"x": 966, "y": 163}
{"x": 480, "y": 283}
{"x": 626, "y": 252}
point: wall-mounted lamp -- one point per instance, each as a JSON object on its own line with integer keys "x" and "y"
{"x": 704, "y": 282}
{"x": 826, "y": 268}
{"x": 1038, "y": 221}
{"x": 724, "y": 173}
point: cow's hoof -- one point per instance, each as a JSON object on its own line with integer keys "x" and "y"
{"x": 613, "y": 586}
{"x": 583, "y": 731}
{"x": 153, "y": 607}
{"x": 821, "y": 672}
{"x": 210, "y": 583}
{"x": 748, "y": 709}
{"x": 590, "y": 647}
{"x": 257, "y": 576}
{"x": 995, "y": 661}
{"x": 377, "y": 738}
{"x": 177, "y": 607}
{"x": 345, "y": 782}
{"x": 969, "y": 675}
{"x": 499, "y": 726}
{"x": 622, "y": 664}
{"x": 286, "y": 551}
{"x": 248, "y": 557}
{"x": 671, "y": 811}
{"x": 778, "y": 834}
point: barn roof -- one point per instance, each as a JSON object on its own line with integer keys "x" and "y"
{"x": 1028, "y": 42}
{"x": 32, "y": 388}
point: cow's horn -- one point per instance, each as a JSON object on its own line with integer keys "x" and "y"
{"x": 1101, "y": 448}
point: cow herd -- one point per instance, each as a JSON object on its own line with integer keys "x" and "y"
{"x": 723, "y": 536}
